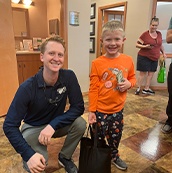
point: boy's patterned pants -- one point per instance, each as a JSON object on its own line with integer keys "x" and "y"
{"x": 110, "y": 127}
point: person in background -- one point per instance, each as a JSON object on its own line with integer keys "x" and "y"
{"x": 40, "y": 103}
{"x": 150, "y": 45}
{"x": 112, "y": 74}
{"x": 167, "y": 128}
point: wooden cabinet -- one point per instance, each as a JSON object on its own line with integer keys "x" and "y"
{"x": 28, "y": 65}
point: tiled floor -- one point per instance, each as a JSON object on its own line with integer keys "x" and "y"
{"x": 144, "y": 148}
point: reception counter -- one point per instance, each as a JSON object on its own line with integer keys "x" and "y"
{"x": 19, "y": 52}
{"x": 28, "y": 63}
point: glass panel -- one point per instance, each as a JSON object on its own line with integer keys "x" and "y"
{"x": 118, "y": 17}
{"x": 110, "y": 17}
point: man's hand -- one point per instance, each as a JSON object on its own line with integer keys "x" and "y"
{"x": 45, "y": 135}
{"x": 36, "y": 163}
{"x": 91, "y": 118}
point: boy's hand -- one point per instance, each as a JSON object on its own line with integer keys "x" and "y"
{"x": 123, "y": 86}
{"x": 91, "y": 118}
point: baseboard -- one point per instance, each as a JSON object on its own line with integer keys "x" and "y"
{"x": 156, "y": 87}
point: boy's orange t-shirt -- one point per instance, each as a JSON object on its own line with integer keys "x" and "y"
{"x": 104, "y": 95}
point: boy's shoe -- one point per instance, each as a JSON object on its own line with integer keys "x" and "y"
{"x": 137, "y": 92}
{"x": 68, "y": 164}
{"x": 166, "y": 128}
{"x": 120, "y": 164}
{"x": 149, "y": 91}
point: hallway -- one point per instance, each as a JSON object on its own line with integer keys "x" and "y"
{"x": 143, "y": 147}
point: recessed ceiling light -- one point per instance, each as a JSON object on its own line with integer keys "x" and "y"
{"x": 27, "y": 2}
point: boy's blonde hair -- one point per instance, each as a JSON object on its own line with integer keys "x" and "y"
{"x": 113, "y": 25}
{"x": 55, "y": 38}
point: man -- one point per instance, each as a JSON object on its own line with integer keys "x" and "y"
{"x": 167, "y": 128}
{"x": 40, "y": 103}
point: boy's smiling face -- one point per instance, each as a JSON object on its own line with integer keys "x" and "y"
{"x": 112, "y": 42}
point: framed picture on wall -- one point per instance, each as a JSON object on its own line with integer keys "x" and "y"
{"x": 92, "y": 28}
{"x": 92, "y": 45}
{"x": 74, "y": 18}
{"x": 93, "y": 11}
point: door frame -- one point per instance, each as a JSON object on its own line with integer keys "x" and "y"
{"x": 64, "y": 28}
{"x": 100, "y": 19}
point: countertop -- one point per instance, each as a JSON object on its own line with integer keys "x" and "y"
{"x": 18, "y": 52}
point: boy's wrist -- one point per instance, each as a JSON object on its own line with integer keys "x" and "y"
{"x": 129, "y": 86}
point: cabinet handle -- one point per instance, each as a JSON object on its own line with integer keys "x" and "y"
{"x": 24, "y": 65}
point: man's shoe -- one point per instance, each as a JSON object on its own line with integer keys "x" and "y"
{"x": 120, "y": 164}
{"x": 68, "y": 164}
{"x": 166, "y": 128}
{"x": 137, "y": 92}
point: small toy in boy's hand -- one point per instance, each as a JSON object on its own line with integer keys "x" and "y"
{"x": 119, "y": 77}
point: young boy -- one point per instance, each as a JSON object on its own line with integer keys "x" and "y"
{"x": 112, "y": 74}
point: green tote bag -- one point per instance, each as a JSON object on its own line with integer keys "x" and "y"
{"x": 162, "y": 73}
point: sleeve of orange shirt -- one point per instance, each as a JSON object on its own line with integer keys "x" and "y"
{"x": 94, "y": 87}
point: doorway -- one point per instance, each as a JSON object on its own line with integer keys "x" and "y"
{"x": 110, "y": 12}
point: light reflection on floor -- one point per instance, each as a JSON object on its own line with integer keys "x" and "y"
{"x": 150, "y": 146}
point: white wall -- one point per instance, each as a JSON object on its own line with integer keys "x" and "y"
{"x": 139, "y": 14}
{"x": 78, "y": 42}
{"x": 8, "y": 64}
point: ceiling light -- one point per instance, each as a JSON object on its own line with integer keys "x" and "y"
{"x": 15, "y": 1}
{"x": 27, "y": 2}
